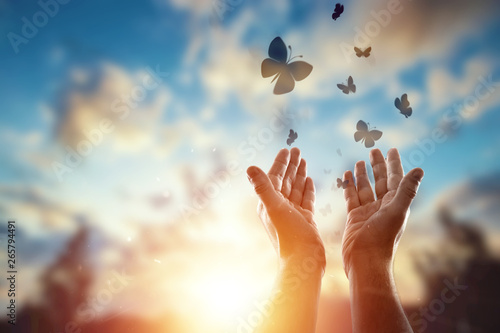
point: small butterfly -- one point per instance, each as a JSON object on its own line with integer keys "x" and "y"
{"x": 326, "y": 210}
{"x": 291, "y": 137}
{"x": 350, "y": 86}
{"x": 342, "y": 184}
{"x": 366, "y": 136}
{"x": 278, "y": 65}
{"x": 403, "y": 105}
{"x": 339, "y": 9}
{"x": 327, "y": 171}
{"x": 365, "y": 53}
{"x": 339, "y": 152}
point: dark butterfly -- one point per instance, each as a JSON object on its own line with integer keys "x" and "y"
{"x": 365, "y": 53}
{"x": 403, "y": 105}
{"x": 326, "y": 210}
{"x": 339, "y": 152}
{"x": 363, "y": 134}
{"x": 278, "y": 65}
{"x": 350, "y": 86}
{"x": 291, "y": 137}
{"x": 327, "y": 171}
{"x": 342, "y": 184}
{"x": 339, "y": 9}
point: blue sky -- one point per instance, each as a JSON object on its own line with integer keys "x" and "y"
{"x": 64, "y": 80}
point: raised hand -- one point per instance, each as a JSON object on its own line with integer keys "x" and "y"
{"x": 374, "y": 226}
{"x": 373, "y": 229}
{"x": 286, "y": 207}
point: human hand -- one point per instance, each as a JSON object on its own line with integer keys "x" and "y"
{"x": 286, "y": 208}
{"x": 374, "y": 227}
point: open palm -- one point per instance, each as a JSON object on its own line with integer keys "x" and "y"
{"x": 374, "y": 226}
{"x": 286, "y": 205}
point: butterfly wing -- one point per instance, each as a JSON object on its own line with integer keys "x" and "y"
{"x": 344, "y": 88}
{"x": 270, "y": 67}
{"x": 407, "y": 112}
{"x": 404, "y": 101}
{"x": 397, "y": 103}
{"x": 362, "y": 132}
{"x": 367, "y": 52}
{"x": 277, "y": 50}
{"x": 359, "y": 53}
{"x": 371, "y": 137}
{"x": 351, "y": 85}
{"x": 339, "y": 182}
{"x": 285, "y": 83}
{"x": 300, "y": 70}
{"x": 345, "y": 183}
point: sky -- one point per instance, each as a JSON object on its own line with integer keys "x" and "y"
{"x": 171, "y": 93}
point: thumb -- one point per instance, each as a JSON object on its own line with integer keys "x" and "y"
{"x": 407, "y": 190}
{"x": 262, "y": 186}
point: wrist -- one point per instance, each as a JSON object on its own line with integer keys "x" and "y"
{"x": 370, "y": 265}
{"x": 305, "y": 264}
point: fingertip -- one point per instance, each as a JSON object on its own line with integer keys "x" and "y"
{"x": 347, "y": 174}
{"x": 295, "y": 150}
{"x": 417, "y": 174}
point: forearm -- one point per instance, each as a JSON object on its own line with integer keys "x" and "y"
{"x": 293, "y": 306}
{"x": 375, "y": 304}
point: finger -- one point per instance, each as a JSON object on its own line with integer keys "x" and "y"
{"x": 299, "y": 184}
{"x": 278, "y": 169}
{"x": 291, "y": 171}
{"x": 350, "y": 193}
{"x": 309, "y": 195}
{"x": 263, "y": 187}
{"x": 365, "y": 192}
{"x": 408, "y": 189}
{"x": 380, "y": 172}
{"x": 394, "y": 169}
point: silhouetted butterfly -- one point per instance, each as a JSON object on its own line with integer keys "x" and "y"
{"x": 369, "y": 137}
{"x": 339, "y": 9}
{"x": 365, "y": 53}
{"x": 327, "y": 171}
{"x": 291, "y": 137}
{"x": 403, "y": 105}
{"x": 326, "y": 210}
{"x": 339, "y": 152}
{"x": 287, "y": 73}
{"x": 350, "y": 86}
{"x": 342, "y": 184}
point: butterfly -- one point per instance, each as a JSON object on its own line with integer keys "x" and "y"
{"x": 342, "y": 184}
{"x": 326, "y": 210}
{"x": 291, "y": 137}
{"x": 278, "y": 65}
{"x": 350, "y": 86}
{"x": 363, "y": 134}
{"x": 403, "y": 105}
{"x": 339, "y": 9}
{"x": 365, "y": 53}
{"x": 339, "y": 152}
{"x": 327, "y": 171}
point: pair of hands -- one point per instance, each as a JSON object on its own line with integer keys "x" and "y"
{"x": 374, "y": 225}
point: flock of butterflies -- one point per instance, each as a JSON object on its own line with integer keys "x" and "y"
{"x": 285, "y": 72}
